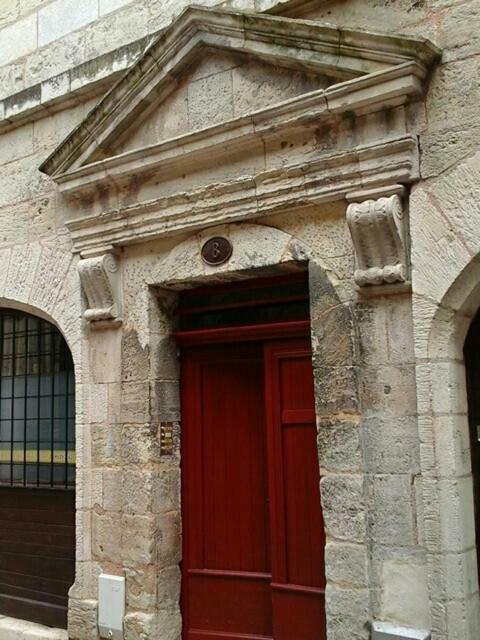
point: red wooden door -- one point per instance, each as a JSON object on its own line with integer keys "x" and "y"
{"x": 252, "y": 527}
{"x": 297, "y": 533}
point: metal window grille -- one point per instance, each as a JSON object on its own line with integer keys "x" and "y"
{"x": 37, "y": 404}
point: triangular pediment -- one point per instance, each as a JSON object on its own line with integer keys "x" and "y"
{"x": 278, "y": 59}
{"x": 222, "y": 86}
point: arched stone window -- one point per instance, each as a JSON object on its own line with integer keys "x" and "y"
{"x": 37, "y": 408}
{"x": 37, "y": 469}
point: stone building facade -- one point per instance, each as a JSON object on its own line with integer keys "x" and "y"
{"x": 337, "y": 137}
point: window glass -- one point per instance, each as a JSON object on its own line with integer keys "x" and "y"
{"x": 37, "y": 400}
{"x": 249, "y": 302}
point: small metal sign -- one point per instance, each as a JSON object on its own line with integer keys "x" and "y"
{"x": 166, "y": 438}
{"x": 217, "y": 251}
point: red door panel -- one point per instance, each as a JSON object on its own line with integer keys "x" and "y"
{"x": 253, "y": 547}
{"x": 226, "y": 566}
{"x": 297, "y": 538}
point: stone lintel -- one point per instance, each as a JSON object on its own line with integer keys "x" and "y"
{"x": 327, "y": 179}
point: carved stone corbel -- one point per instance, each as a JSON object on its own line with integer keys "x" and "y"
{"x": 100, "y": 280}
{"x": 378, "y": 229}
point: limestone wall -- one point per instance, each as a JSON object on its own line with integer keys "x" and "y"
{"x": 42, "y": 38}
{"x": 397, "y": 488}
{"x": 445, "y": 217}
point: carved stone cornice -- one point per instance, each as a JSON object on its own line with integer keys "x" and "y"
{"x": 378, "y": 228}
{"x": 100, "y": 279}
{"x": 192, "y": 151}
{"x": 346, "y": 55}
{"x": 328, "y": 178}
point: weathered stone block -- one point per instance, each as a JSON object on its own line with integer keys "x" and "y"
{"x": 52, "y": 286}
{"x": 256, "y": 85}
{"x": 348, "y": 615}
{"x": 458, "y": 198}
{"x": 460, "y": 571}
{"x": 396, "y": 17}
{"x": 4, "y": 265}
{"x": 63, "y": 16}
{"x": 210, "y": 100}
{"x": 55, "y": 88}
{"x": 452, "y": 445}
{"x": 21, "y": 273}
{"x": 343, "y": 507}
{"x": 50, "y": 131}
{"x": 82, "y": 619}
{"x": 123, "y": 26}
{"x": 449, "y": 383}
{"x": 168, "y": 586}
{"x": 165, "y": 359}
{"x": 135, "y": 402}
{"x": 385, "y": 330}
{"x": 16, "y": 144}
{"x": 106, "y": 444}
{"x": 166, "y": 489}
{"x": 166, "y": 400}
{"x": 105, "y": 356}
{"x": 86, "y": 580}
{"x": 346, "y": 564}
{"x": 433, "y": 277}
{"x": 112, "y": 489}
{"x": 391, "y": 515}
{"x": 137, "y": 489}
{"x": 464, "y": 615}
{"x": 140, "y": 444}
{"x": 168, "y": 536}
{"x": 18, "y": 39}
{"x": 457, "y": 528}
{"x": 335, "y": 389}
{"x": 59, "y": 57}
{"x": 143, "y": 626}
{"x": 138, "y": 540}
{"x": 388, "y": 390}
{"x": 457, "y": 37}
{"x": 391, "y": 444}
{"x": 405, "y": 594}
{"x": 141, "y": 587}
{"x": 339, "y": 445}
{"x": 106, "y": 536}
{"x": 10, "y": 11}
{"x": 98, "y": 402}
{"x": 442, "y": 150}
{"x": 332, "y": 338}
{"x": 135, "y": 358}
{"x": 83, "y": 538}
{"x": 169, "y": 120}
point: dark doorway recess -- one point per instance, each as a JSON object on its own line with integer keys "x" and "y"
{"x": 253, "y": 537}
{"x": 37, "y": 470}
{"x": 472, "y": 364}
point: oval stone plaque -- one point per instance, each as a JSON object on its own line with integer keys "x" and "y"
{"x": 217, "y": 250}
